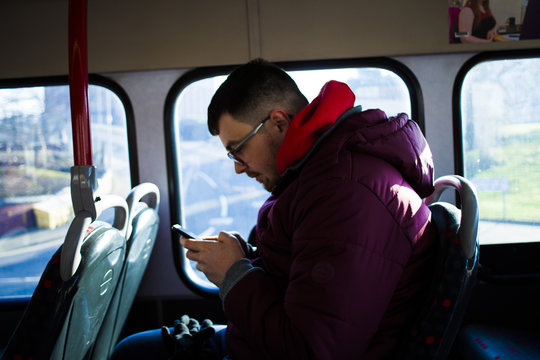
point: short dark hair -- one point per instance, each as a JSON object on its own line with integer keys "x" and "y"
{"x": 252, "y": 88}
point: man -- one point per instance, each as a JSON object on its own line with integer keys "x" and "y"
{"x": 344, "y": 242}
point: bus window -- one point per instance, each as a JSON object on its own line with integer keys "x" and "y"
{"x": 36, "y": 154}
{"x": 212, "y": 196}
{"x": 501, "y": 147}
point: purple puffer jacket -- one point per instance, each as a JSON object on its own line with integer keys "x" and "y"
{"x": 344, "y": 252}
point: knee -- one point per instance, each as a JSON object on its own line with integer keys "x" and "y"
{"x": 144, "y": 345}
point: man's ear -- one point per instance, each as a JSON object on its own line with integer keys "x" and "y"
{"x": 280, "y": 120}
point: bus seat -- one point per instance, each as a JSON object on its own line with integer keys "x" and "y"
{"x": 63, "y": 317}
{"x": 143, "y": 204}
{"x": 455, "y": 275}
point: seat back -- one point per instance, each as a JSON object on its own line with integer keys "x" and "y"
{"x": 434, "y": 332}
{"x": 64, "y": 316}
{"x": 143, "y": 223}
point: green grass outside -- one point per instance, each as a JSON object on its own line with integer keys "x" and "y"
{"x": 517, "y": 158}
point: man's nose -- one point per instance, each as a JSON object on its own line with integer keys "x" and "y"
{"x": 239, "y": 168}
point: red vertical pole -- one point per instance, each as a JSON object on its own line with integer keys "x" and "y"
{"x": 78, "y": 82}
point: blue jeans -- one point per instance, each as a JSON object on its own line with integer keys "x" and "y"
{"x": 149, "y": 345}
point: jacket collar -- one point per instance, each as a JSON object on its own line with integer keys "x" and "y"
{"x": 292, "y": 171}
{"x": 307, "y": 127}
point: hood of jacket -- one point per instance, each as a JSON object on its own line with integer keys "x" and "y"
{"x": 331, "y": 120}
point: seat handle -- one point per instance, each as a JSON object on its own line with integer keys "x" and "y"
{"x": 468, "y": 229}
{"x": 86, "y": 211}
{"x": 145, "y": 190}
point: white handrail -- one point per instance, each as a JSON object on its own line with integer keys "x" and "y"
{"x": 468, "y": 229}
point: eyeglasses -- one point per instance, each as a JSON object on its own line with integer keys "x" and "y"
{"x": 235, "y": 149}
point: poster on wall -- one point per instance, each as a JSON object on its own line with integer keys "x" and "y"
{"x": 477, "y": 21}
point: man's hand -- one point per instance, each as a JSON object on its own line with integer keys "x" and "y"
{"x": 214, "y": 256}
{"x": 188, "y": 340}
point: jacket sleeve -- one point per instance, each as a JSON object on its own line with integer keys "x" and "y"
{"x": 348, "y": 252}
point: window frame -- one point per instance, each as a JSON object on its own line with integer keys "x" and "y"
{"x": 97, "y": 80}
{"x": 173, "y": 172}
{"x": 508, "y": 262}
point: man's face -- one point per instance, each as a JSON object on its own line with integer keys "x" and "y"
{"x": 257, "y": 155}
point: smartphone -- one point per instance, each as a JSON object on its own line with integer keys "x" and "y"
{"x": 180, "y": 230}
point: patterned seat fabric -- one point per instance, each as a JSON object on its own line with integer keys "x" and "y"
{"x": 488, "y": 342}
{"x": 433, "y": 335}
{"x": 44, "y": 315}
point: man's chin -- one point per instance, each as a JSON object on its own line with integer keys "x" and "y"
{"x": 268, "y": 184}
